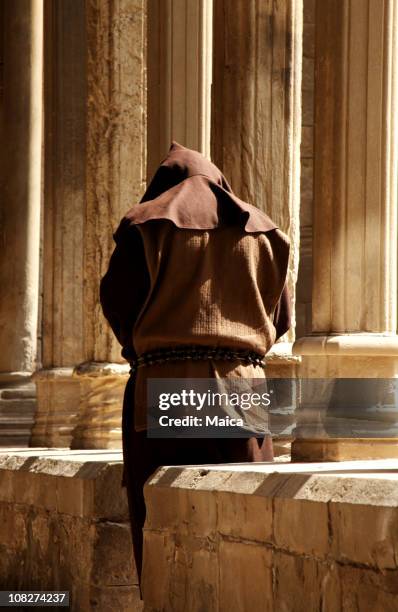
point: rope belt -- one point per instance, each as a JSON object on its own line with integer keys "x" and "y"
{"x": 196, "y": 353}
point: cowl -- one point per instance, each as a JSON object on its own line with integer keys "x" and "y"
{"x": 191, "y": 192}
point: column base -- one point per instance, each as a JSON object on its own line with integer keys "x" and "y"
{"x": 58, "y": 396}
{"x": 17, "y": 408}
{"x": 332, "y": 407}
{"x": 282, "y": 364}
{"x": 80, "y": 407}
{"x": 344, "y": 449}
{"x": 99, "y": 418}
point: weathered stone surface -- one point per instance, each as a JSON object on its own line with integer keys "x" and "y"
{"x": 247, "y": 516}
{"x": 307, "y": 107}
{"x": 81, "y": 407}
{"x": 57, "y": 530}
{"x": 58, "y": 397}
{"x": 284, "y": 537}
{"x": 304, "y": 585}
{"x": 341, "y": 449}
{"x": 108, "y": 499}
{"x": 112, "y": 560}
{"x": 307, "y": 142}
{"x": 309, "y": 11}
{"x": 193, "y": 574}
{"x": 115, "y": 148}
{"x": 365, "y": 590}
{"x": 245, "y": 577}
{"x": 371, "y": 511}
{"x": 101, "y": 389}
{"x": 109, "y": 599}
{"x": 308, "y": 39}
{"x": 17, "y": 408}
{"x": 355, "y": 235}
{"x": 308, "y": 526}
{"x": 179, "y": 71}
{"x": 354, "y": 212}
{"x": 66, "y": 482}
{"x": 95, "y": 141}
{"x": 95, "y": 154}
{"x": 158, "y": 556}
{"x": 256, "y": 108}
{"x": 21, "y": 172}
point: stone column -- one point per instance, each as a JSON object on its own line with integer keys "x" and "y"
{"x": 22, "y": 41}
{"x": 256, "y": 129}
{"x": 179, "y": 76}
{"x": 354, "y": 303}
{"x": 95, "y": 161}
{"x": 256, "y": 107}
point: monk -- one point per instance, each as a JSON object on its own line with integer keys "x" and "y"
{"x": 198, "y": 271}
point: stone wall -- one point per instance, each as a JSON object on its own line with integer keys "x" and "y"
{"x": 64, "y": 526}
{"x": 277, "y": 538}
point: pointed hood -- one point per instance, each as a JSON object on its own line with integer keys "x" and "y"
{"x": 191, "y": 192}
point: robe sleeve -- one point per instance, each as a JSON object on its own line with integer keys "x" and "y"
{"x": 125, "y": 286}
{"x": 282, "y": 313}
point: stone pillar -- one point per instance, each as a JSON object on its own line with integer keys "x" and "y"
{"x": 256, "y": 107}
{"x": 95, "y": 164}
{"x": 179, "y": 76}
{"x": 22, "y": 41}
{"x": 354, "y": 303}
{"x": 256, "y": 132}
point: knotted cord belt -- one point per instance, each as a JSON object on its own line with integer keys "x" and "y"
{"x": 196, "y": 353}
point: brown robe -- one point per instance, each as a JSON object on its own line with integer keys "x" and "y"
{"x": 193, "y": 264}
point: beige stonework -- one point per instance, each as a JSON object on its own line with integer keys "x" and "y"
{"x": 58, "y": 398}
{"x": 356, "y": 356}
{"x": 95, "y": 145}
{"x": 21, "y": 110}
{"x": 21, "y": 184}
{"x": 304, "y": 276}
{"x": 64, "y": 526}
{"x": 272, "y": 537}
{"x": 80, "y": 407}
{"x": 281, "y": 363}
{"x": 179, "y": 76}
{"x": 339, "y": 449}
{"x": 115, "y": 147}
{"x": 256, "y": 108}
{"x": 98, "y": 423}
{"x": 355, "y": 231}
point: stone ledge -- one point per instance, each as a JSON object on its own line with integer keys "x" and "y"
{"x": 362, "y": 344}
{"x": 288, "y": 535}
{"x": 282, "y": 352}
{"x": 64, "y": 525}
{"x": 80, "y": 483}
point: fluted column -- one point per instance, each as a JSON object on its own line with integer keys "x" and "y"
{"x": 256, "y": 132}
{"x": 95, "y": 164}
{"x": 256, "y": 107}
{"x": 179, "y": 76}
{"x": 355, "y": 222}
{"x": 22, "y": 50}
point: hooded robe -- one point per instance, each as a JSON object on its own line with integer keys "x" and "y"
{"x": 193, "y": 265}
